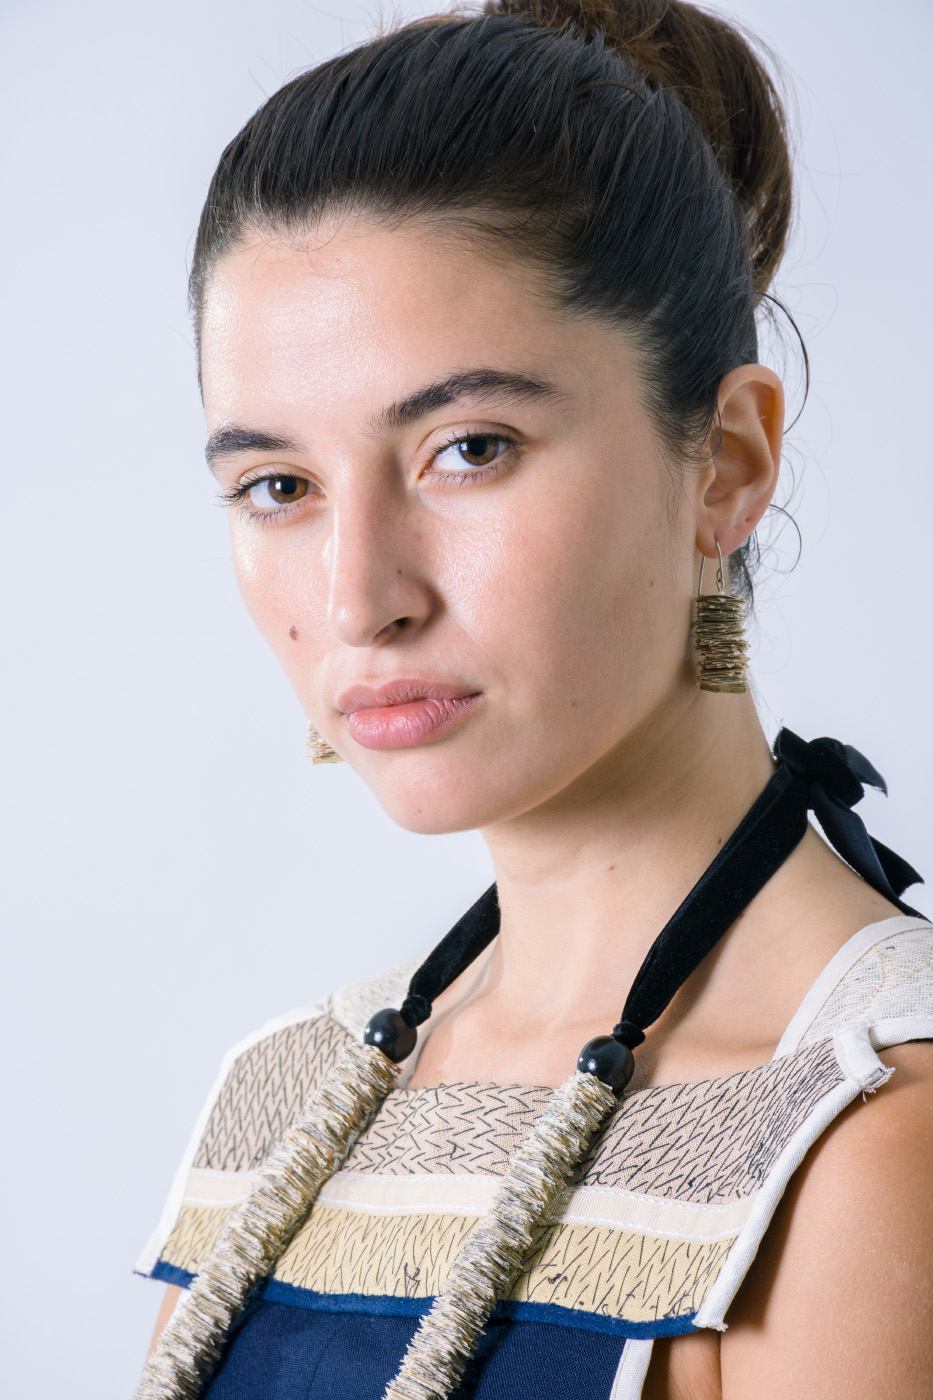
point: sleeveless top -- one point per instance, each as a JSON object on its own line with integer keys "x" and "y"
{"x": 652, "y": 1240}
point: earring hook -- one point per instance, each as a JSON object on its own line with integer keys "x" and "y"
{"x": 720, "y": 576}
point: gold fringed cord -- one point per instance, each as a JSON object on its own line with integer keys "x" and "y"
{"x": 719, "y": 643}
{"x": 487, "y": 1266}
{"x": 260, "y": 1228}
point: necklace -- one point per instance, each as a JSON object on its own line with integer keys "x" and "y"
{"x": 824, "y": 776}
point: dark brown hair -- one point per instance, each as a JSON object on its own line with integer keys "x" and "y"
{"x": 636, "y": 152}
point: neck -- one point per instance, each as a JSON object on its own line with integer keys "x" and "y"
{"x": 587, "y": 880}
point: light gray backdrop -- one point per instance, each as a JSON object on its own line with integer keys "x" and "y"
{"x": 177, "y": 871}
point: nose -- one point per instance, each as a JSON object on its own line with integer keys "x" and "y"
{"x": 377, "y": 583}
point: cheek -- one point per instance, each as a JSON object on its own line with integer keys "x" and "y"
{"x": 281, "y": 596}
{"x": 578, "y": 597}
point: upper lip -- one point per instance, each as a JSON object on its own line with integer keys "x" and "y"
{"x": 399, "y": 692}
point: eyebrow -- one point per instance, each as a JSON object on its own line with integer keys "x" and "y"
{"x": 475, "y": 383}
{"x": 228, "y": 441}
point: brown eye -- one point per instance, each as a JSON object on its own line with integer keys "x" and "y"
{"x": 479, "y": 450}
{"x": 285, "y": 489}
{"x": 277, "y": 491}
{"x": 462, "y": 459}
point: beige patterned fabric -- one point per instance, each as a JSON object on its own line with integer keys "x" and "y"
{"x": 193, "y": 1236}
{"x": 457, "y": 1129}
{"x": 345, "y": 1252}
{"x": 665, "y": 1214}
{"x": 709, "y": 1141}
{"x": 892, "y": 978}
{"x": 715, "y": 1140}
{"x": 583, "y": 1268}
{"x": 264, "y": 1091}
{"x": 633, "y": 1277}
{"x": 668, "y": 1158}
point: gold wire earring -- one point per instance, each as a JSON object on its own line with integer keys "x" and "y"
{"x": 719, "y": 637}
{"x": 319, "y": 750}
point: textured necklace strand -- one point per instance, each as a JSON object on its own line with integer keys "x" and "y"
{"x": 823, "y": 775}
{"x": 261, "y": 1227}
{"x": 491, "y": 1259}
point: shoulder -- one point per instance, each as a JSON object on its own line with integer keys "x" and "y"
{"x": 871, "y": 1169}
{"x": 265, "y": 1078}
{"x": 881, "y": 978}
{"x": 309, "y": 1036}
{"x": 262, "y": 1083}
{"x": 862, "y": 1189}
{"x": 865, "y": 1190}
{"x": 353, "y": 1005}
{"x": 838, "y": 1299}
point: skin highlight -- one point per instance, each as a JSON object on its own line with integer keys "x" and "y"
{"x": 551, "y": 578}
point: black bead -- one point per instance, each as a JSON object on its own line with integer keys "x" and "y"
{"x": 611, "y": 1062}
{"x": 391, "y": 1034}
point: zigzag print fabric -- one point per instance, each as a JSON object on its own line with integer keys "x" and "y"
{"x": 652, "y": 1240}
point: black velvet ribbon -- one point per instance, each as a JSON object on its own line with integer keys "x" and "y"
{"x": 453, "y": 955}
{"x": 835, "y": 774}
{"x": 824, "y": 776}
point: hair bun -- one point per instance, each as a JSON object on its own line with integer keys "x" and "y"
{"x": 718, "y": 75}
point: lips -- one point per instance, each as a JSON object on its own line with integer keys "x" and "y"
{"x": 398, "y": 692}
{"x": 405, "y": 713}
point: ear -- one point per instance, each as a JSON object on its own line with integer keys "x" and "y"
{"x": 745, "y": 459}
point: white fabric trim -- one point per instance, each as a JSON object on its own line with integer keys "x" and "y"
{"x": 206, "y": 1187}
{"x": 633, "y": 1368}
{"x": 898, "y": 1030}
{"x": 655, "y": 1216}
{"x": 149, "y": 1257}
{"x": 864, "y": 1072}
{"x": 836, "y": 970}
{"x": 858, "y": 1060}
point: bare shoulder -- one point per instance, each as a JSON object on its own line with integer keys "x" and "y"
{"x": 840, "y": 1298}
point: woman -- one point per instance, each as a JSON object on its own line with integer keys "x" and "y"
{"x": 476, "y": 322}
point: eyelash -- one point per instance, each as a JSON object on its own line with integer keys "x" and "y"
{"x": 238, "y": 495}
{"x": 476, "y": 473}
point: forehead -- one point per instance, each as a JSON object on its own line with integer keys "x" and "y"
{"x": 355, "y": 312}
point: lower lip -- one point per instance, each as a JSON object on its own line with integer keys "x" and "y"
{"x": 406, "y": 726}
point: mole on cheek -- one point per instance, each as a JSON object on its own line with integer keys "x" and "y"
{"x": 293, "y": 633}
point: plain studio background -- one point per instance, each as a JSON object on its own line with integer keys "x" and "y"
{"x": 178, "y": 872}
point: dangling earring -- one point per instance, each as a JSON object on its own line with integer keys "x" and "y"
{"x": 319, "y": 750}
{"x": 719, "y": 637}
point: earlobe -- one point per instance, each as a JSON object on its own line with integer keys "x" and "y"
{"x": 745, "y": 454}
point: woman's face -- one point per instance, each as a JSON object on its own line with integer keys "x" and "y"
{"x": 451, "y": 517}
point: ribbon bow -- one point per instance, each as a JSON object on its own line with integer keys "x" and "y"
{"x": 835, "y": 774}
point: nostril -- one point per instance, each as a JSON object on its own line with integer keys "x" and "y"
{"x": 392, "y": 629}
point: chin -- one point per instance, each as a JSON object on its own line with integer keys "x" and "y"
{"x": 430, "y": 795}
{"x": 430, "y": 823}
{"x": 435, "y": 809}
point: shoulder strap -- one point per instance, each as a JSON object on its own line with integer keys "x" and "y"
{"x": 883, "y": 973}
